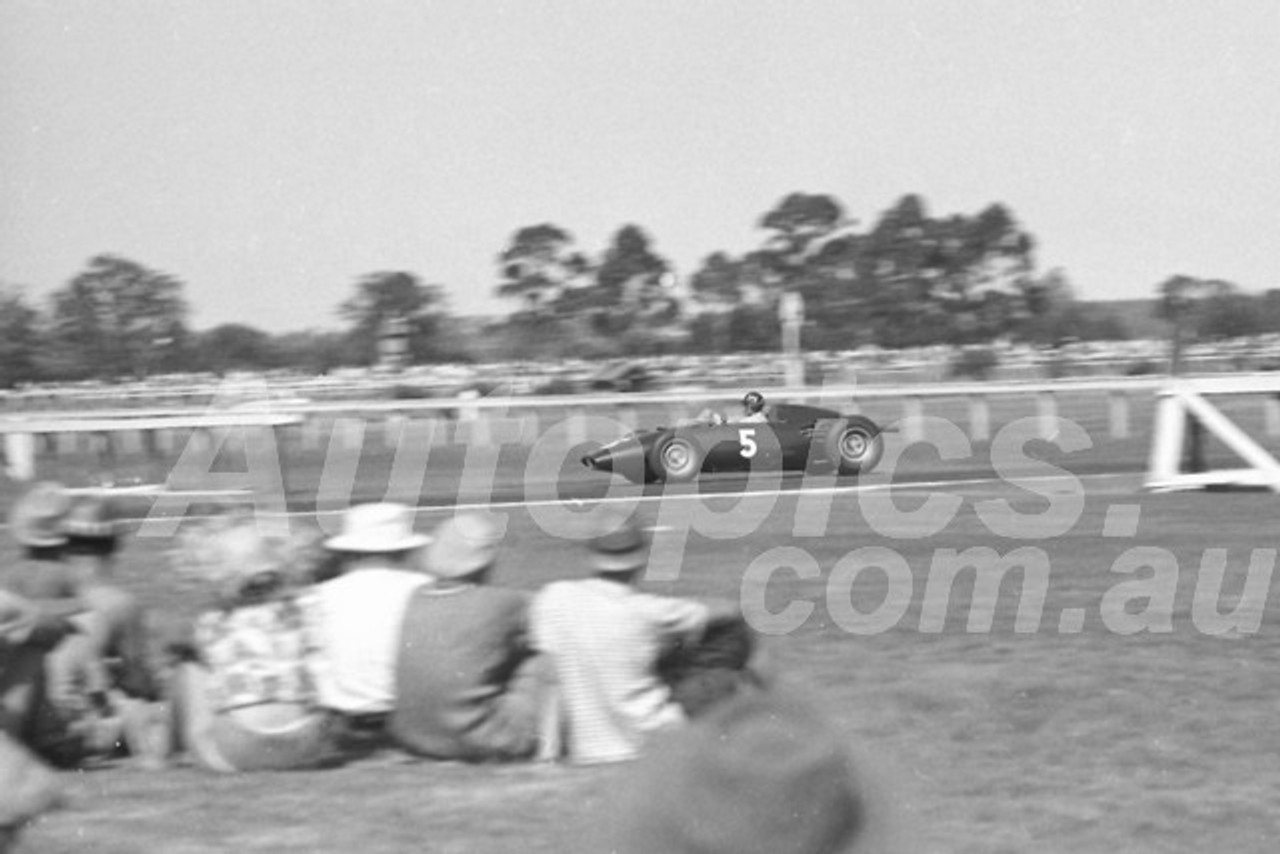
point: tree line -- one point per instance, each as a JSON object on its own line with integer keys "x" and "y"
{"x": 907, "y": 279}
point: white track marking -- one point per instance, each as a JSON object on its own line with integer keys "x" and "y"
{"x": 695, "y": 496}
{"x": 578, "y": 503}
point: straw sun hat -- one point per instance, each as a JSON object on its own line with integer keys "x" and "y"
{"x": 377, "y": 529}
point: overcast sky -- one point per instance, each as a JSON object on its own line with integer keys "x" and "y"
{"x": 269, "y": 152}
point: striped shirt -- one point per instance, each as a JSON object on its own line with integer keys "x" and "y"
{"x": 605, "y": 638}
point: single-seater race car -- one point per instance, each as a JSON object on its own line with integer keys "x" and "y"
{"x": 793, "y": 438}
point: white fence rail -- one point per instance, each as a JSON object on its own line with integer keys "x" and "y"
{"x": 516, "y": 420}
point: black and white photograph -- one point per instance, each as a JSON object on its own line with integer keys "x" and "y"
{"x": 639, "y": 426}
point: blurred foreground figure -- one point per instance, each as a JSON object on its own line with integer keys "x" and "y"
{"x": 244, "y": 698}
{"x": 608, "y": 640}
{"x": 27, "y": 787}
{"x": 27, "y": 635}
{"x": 98, "y": 676}
{"x": 116, "y": 652}
{"x": 467, "y": 681}
{"x": 759, "y": 774}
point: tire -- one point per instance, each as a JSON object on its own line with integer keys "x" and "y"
{"x": 676, "y": 459}
{"x": 855, "y": 445}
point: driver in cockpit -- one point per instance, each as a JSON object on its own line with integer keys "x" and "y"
{"x": 753, "y": 408}
{"x": 753, "y": 412}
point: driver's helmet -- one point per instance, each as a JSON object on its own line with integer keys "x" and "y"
{"x": 753, "y": 402}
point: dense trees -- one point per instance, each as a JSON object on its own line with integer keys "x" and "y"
{"x": 390, "y": 297}
{"x": 233, "y": 347}
{"x": 908, "y": 277}
{"x": 538, "y": 266}
{"x": 572, "y": 305}
{"x": 117, "y": 318}
{"x": 19, "y": 339}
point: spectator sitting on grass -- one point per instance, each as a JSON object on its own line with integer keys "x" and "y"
{"x": 607, "y": 640}
{"x": 243, "y": 695}
{"x": 27, "y": 634}
{"x": 355, "y": 618}
{"x": 104, "y": 673}
{"x": 41, "y": 575}
{"x": 114, "y": 624}
{"x": 74, "y": 722}
{"x": 27, "y": 787}
{"x": 467, "y": 680}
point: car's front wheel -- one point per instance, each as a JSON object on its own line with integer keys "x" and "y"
{"x": 677, "y": 459}
{"x": 855, "y": 446}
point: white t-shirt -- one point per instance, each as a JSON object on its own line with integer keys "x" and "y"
{"x": 356, "y": 619}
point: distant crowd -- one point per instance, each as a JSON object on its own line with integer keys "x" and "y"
{"x": 311, "y": 652}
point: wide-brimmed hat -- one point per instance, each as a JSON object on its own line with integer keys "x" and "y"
{"x": 92, "y": 517}
{"x": 762, "y": 773}
{"x": 377, "y": 528}
{"x": 36, "y": 519}
{"x": 464, "y": 545}
{"x": 618, "y": 546}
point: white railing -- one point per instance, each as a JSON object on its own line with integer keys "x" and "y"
{"x": 481, "y": 420}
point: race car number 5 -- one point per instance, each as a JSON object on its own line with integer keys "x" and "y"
{"x": 747, "y": 438}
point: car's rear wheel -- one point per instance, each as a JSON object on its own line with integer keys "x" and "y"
{"x": 677, "y": 459}
{"x": 855, "y": 446}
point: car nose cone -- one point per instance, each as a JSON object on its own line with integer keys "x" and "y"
{"x": 599, "y": 460}
{"x": 624, "y": 457}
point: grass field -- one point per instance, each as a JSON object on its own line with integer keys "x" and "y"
{"x": 1000, "y": 740}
